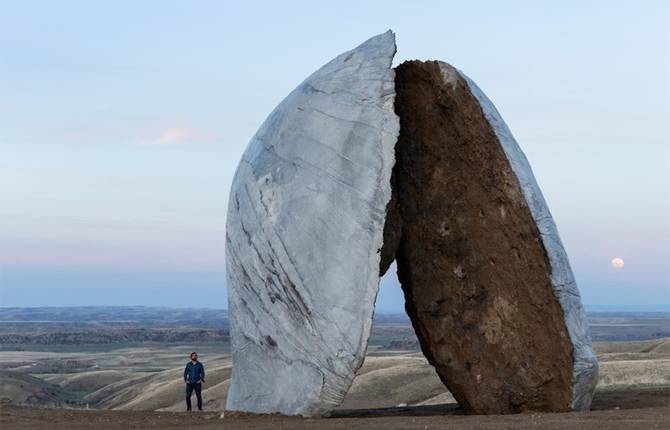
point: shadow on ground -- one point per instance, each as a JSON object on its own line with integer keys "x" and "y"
{"x": 404, "y": 411}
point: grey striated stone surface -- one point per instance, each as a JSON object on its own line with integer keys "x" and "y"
{"x": 304, "y": 229}
{"x": 585, "y": 363}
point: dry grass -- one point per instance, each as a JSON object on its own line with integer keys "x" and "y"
{"x": 383, "y": 381}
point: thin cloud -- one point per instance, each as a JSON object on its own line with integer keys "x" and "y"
{"x": 174, "y": 136}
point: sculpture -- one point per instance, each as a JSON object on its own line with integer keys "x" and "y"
{"x": 315, "y": 215}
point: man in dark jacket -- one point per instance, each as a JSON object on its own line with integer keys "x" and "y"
{"x": 194, "y": 376}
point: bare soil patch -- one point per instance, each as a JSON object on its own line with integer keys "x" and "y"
{"x": 619, "y": 410}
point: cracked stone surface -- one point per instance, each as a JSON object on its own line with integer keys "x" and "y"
{"x": 585, "y": 362}
{"x": 304, "y": 227}
{"x": 312, "y": 222}
{"x": 479, "y": 259}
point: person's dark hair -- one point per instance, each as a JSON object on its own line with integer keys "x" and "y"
{"x": 193, "y": 353}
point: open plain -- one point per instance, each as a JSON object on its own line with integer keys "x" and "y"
{"x": 51, "y": 380}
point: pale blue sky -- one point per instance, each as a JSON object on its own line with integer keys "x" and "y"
{"x": 121, "y": 124}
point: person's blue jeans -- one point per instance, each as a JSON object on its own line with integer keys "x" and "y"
{"x": 189, "y": 392}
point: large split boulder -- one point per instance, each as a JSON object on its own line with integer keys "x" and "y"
{"x": 346, "y": 176}
{"x": 487, "y": 283}
{"x": 305, "y": 226}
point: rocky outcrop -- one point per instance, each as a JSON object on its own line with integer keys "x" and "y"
{"x": 314, "y": 217}
{"x": 474, "y": 245}
{"x": 305, "y": 224}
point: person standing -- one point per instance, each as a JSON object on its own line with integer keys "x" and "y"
{"x": 194, "y": 376}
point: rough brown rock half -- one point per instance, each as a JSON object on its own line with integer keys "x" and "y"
{"x": 476, "y": 277}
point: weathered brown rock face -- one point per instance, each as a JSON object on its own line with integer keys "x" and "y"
{"x": 470, "y": 260}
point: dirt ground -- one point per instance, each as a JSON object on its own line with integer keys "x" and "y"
{"x": 643, "y": 408}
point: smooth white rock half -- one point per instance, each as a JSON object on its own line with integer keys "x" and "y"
{"x": 585, "y": 363}
{"x": 304, "y": 230}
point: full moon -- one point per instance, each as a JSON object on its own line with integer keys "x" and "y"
{"x": 617, "y": 262}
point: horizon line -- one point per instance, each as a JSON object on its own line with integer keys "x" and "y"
{"x": 663, "y": 307}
